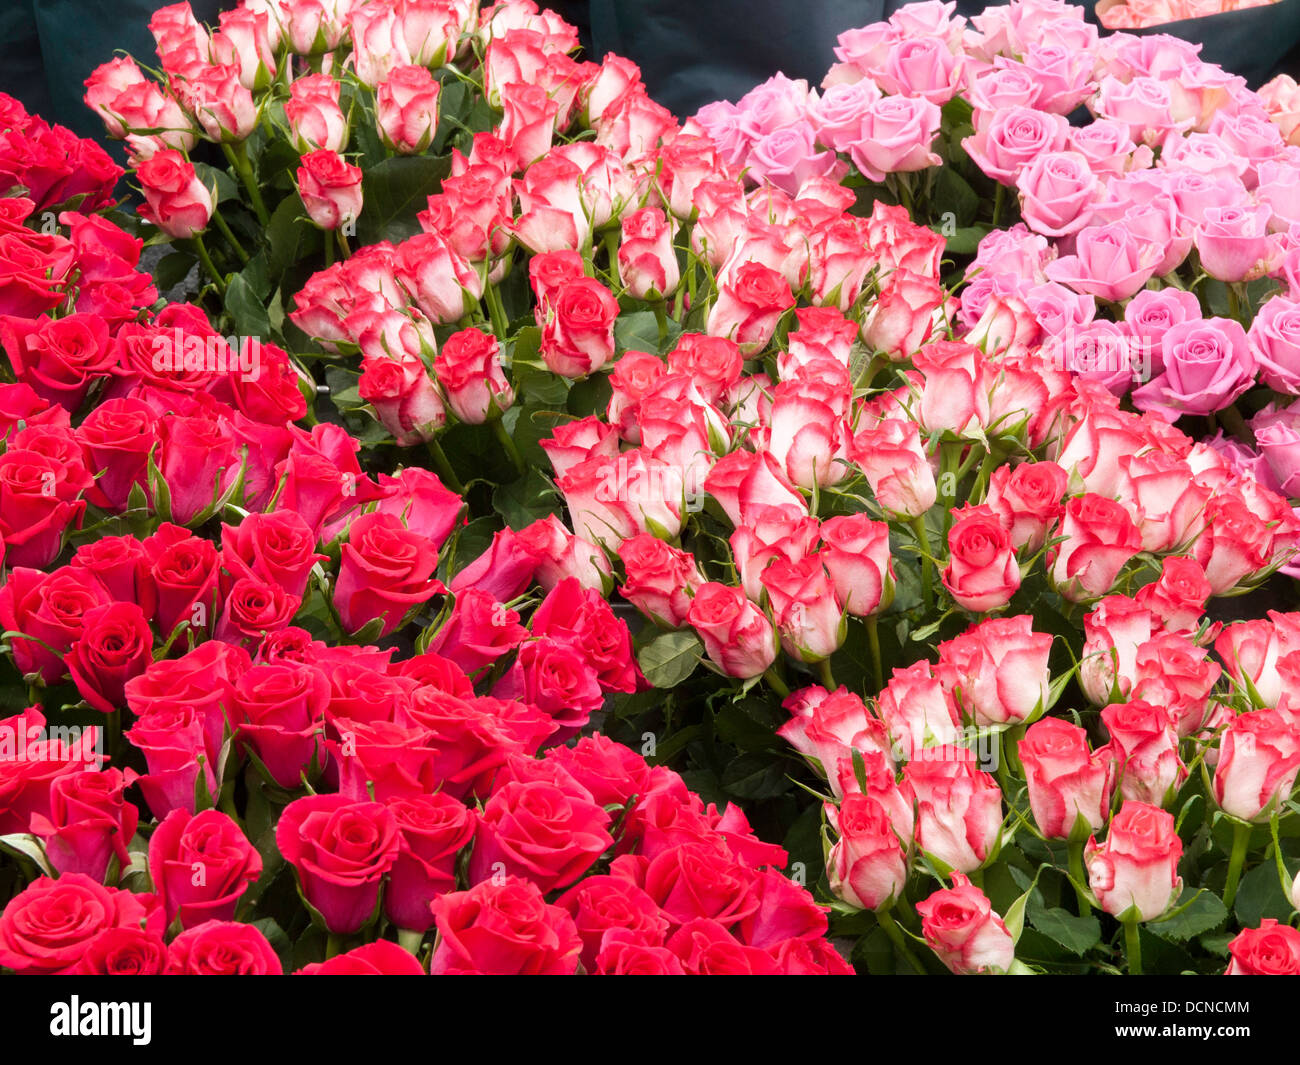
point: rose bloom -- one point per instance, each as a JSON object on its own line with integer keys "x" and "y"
{"x": 330, "y": 188}
{"x": 737, "y": 636}
{"x": 1259, "y": 757}
{"x": 1272, "y": 949}
{"x": 176, "y": 201}
{"x": 201, "y": 865}
{"x": 982, "y": 573}
{"x": 469, "y": 369}
{"x": 867, "y": 866}
{"x": 222, "y": 948}
{"x": 749, "y": 304}
{"x": 578, "y": 334}
{"x": 1144, "y": 744}
{"x": 1068, "y": 783}
{"x": 1100, "y": 539}
{"x": 855, "y": 551}
{"x": 386, "y": 571}
{"x": 960, "y": 926}
{"x": 1208, "y": 364}
{"x": 406, "y": 109}
{"x": 958, "y": 806}
{"x": 1136, "y": 869}
{"x": 503, "y": 927}
{"x": 997, "y": 671}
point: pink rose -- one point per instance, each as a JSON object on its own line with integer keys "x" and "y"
{"x": 960, "y": 926}
{"x": 1136, "y": 869}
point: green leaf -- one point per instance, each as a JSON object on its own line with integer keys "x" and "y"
{"x": 953, "y": 194}
{"x": 215, "y": 178}
{"x": 522, "y": 502}
{"x": 590, "y": 395}
{"x": 172, "y": 269}
{"x": 27, "y": 846}
{"x": 670, "y": 658}
{"x": 246, "y": 309}
{"x": 1076, "y": 934}
{"x": 639, "y": 331}
{"x": 1259, "y": 895}
{"x": 1201, "y": 912}
{"x": 395, "y": 192}
{"x": 290, "y": 237}
{"x": 754, "y": 776}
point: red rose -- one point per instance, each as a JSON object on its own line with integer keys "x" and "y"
{"x": 1272, "y": 949}
{"x": 176, "y": 201}
{"x": 659, "y": 578}
{"x": 600, "y": 903}
{"x": 557, "y": 679}
{"x": 478, "y": 631}
{"x": 424, "y": 504}
{"x": 386, "y": 571}
{"x": 115, "y": 646}
{"x": 194, "y": 455}
{"x": 89, "y": 822}
{"x": 278, "y": 712}
{"x": 380, "y": 958}
{"x": 578, "y": 336}
{"x": 694, "y": 879}
{"x": 706, "y": 948}
{"x": 544, "y": 833}
{"x": 122, "y": 567}
{"x": 503, "y": 929}
{"x": 406, "y": 399}
{"x": 117, "y": 437}
{"x": 184, "y": 569}
{"x": 277, "y": 548}
{"x": 433, "y": 830}
{"x": 39, "y": 499}
{"x": 50, "y": 611}
{"x": 174, "y": 742}
{"x": 201, "y": 865}
{"x": 584, "y": 618}
{"x": 612, "y": 772}
{"x": 623, "y": 953}
{"x": 341, "y": 851}
{"x": 503, "y": 571}
{"x": 330, "y": 188}
{"x": 59, "y": 357}
{"x": 47, "y": 927}
{"x": 222, "y": 948}
{"x": 252, "y": 609}
{"x": 123, "y": 952}
{"x": 34, "y": 269}
{"x": 31, "y": 764}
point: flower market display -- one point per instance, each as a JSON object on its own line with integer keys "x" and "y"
{"x": 510, "y": 530}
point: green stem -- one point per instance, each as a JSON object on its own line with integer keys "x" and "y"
{"x": 1240, "y": 843}
{"x": 873, "y": 639}
{"x": 999, "y": 198}
{"x": 824, "y": 672}
{"x": 1077, "y": 876}
{"x": 345, "y": 249}
{"x": 1234, "y": 302}
{"x": 927, "y": 566}
{"x": 1236, "y": 424}
{"x": 774, "y": 679}
{"x": 238, "y": 156}
{"x": 230, "y": 236}
{"x": 508, "y": 446}
{"x": 1133, "y": 947}
{"x": 899, "y": 940}
{"x": 329, "y": 252}
{"x": 333, "y": 945}
{"x": 661, "y": 318}
{"x": 496, "y": 312}
{"x": 443, "y": 467}
{"x": 208, "y": 265}
{"x": 410, "y": 941}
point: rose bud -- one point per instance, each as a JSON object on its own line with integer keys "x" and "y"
{"x": 223, "y": 106}
{"x": 1144, "y": 744}
{"x": 1251, "y": 651}
{"x": 503, "y": 928}
{"x": 406, "y": 109}
{"x": 958, "y": 807}
{"x": 997, "y": 671}
{"x": 1100, "y": 539}
{"x": 1067, "y": 781}
{"x": 469, "y": 369}
{"x": 660, "y": 579}
{"x": 115, "y": 645}
{"x": 647, "y": 263}
{"x": 810, "y": 620}
{"x": 406, "y": 400}
{"x": 738, "y": 637}
{"x": 478, "y": 632}
{"x": 200, "y": 866}
{"x": 89, "y": 822}
{"x": 315, "y": 119}
{"x": 905, "y": 315}
{"x": 749, "y": 305}
{"x": 278, "y": 713}
{"x": 223, "y": 948}
{"x": 341, "y": 852}
{"x": 561, "y": 554}
{"x": 982, "y": 573}
{"x": 867, "y": 866}
{"x": 917, "y": 711}
{"x": 432, "y": 831}
{"x": 46, "y": 927}
{"x": 578, "y": 334}
{"x": 1027, "y": 500}
{"x": 557, "y": 678}
{"x": 1272, "y": 949}
{"x": 1172, "y": 671}
{"x": 896, "y": 467}
{"x": 855, "y": 551}
{"x": 330, "y": 188}
{"x": 1259, "y": 757}
{"x": 385, "y": 572}
{"x": 961, "y": 928}
{"x": 1136, "y": 870}
{"x": 176, "y": 201}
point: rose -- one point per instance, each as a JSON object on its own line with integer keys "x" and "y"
{"x": 1136, "y": 870}
{"x": 330, "y": 188}
{"x": 222, "y": 948}
{"x": 582, "y": 617}
{"x": 894, "y": 136}
{"x": 1234, "y": 543}
{"x": 557, "y": 678}
{"x": 1275, "y": 342}
{"x": 60, "y": 358}
{"x": 175, "y": 742}
{"x": 1252, "y": 650}
{"x": 750, "y": 301}
{"x": 828, "y": 727}
{"x": 958, "y": 806}
{"x": 116, "y": 438}
{"x": 1208, "y": 364}
{"x": 1057, "y": 190}
{"x": 184, "y": 568}
{"x": 905, "y": 315}
{"x": 47, "y": 926}
{"x": 960, "y": 926}
{"x": 917, "y": 711}
{"x": 601, "y": 904}
{"x": 253, "y": 609}
{"x": 193, "y": 457}
{"x": 867, "y": 866}
{"x": 406, "y": 401}
{"x": 315, "y": 119}
{"x": 578, "y": 335}
{"x": 1027, "y": 500}
{"x": 1111, "y": 262}
{"x": 997, "y": 671}
{"x": 1259, "y": 757}
{"x": 1168, "y": 503}
{"x": 431, "y": 267}
{"x": 504, "y": 929}
{"x": 423, "y": 503}
{"x": 386, "y": 570}
{"x": 1234, "y": 244}
{"x": 432, "y": 831}
{"x": 340, "y": 851}
{"x": 787, "y": 159}
{"x": 1068, "y": 783}
{"x": 647, "y": 264}
{"x": 406, "y": 109}
{"x": 855, "y": 551}
{"x": 1272, "y": 949}
{"x": 49, "y": 610}
{"x": 278, "y": 710}
{"x": 89, "y": 822}
{"x": 738, "y": 637}
{"x": 1011, "y": 138}
{"x": 1178, "y": 596}
{"x": 810, "y": 619}
{"x": 891, "y": 458}
{"x": 176, "y": 201}
{"x": 982, "y": 573}
{"x": 1100, "y": 539}
{"x": 611, "y": 772}
{"x": 201, "y": 865}
{"x": 549, "y": 834}
{"x": 38, "y": 501}
{"x": 1144, "y": 744}
{"x": 469, "y": 369}
{"x": 478, "y": 632}
{"x": 700, "y": 877}
{"x": 223, "y": 106}
{"x": 115, "y": 646}
{"x": 123, "y": 952}
{"x": 380, "y": 958}
{"x": 276, "y": 548}
{"x": 660, "y": 579}
{"x": 503, "y": 571}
